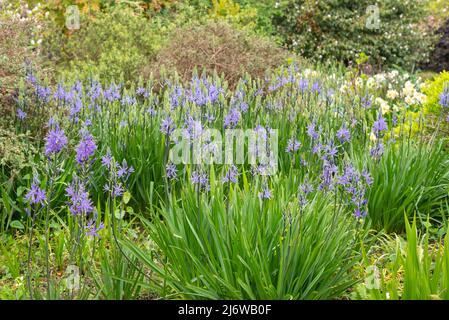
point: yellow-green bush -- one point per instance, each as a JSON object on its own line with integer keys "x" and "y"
{"x": 433, "y": 89}
{"x": 114, "y": 42}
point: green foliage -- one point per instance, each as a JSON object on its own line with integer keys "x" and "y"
{"x": 115, "y": 43}
{"x": 408, "y": 178}
{"x": 418, "y": 269}
{"x": 16, "y": 153}
{"x": 433, "y": 89}
{"x": 17, "y": 51}
{"x": 251, "y": 248}
{"x": 438, "y": 8}
{"x": 337, "y": 30}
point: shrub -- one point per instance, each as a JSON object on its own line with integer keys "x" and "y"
{"x": 434, "y": 88}
{"x": 439, "y": 57}
{"x": 217, "y": 46}
{"x": 247, "y": 248}
{"x": 17, "y": 50}
{"x": 117, "y": 42}
{"x": 16, "y": 153}
{"x": 332, "y": 29}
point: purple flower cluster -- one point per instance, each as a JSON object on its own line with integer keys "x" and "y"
{"x": 175, "y": 97}
{"x": 265, "y": 194}
{"x": 444, "y": 98}
{"x": 171, "y": 172}
{"x": 231, "y": 175}
{"x": 92, "y": 230}
{"x": 118, "y": 174}
{"x": 36, "y": 195}
{"x": 305, "y": 189}
{"x": 303, "y": 85}
{"x": 355, "y": 184}
{"x": 232, "y": 118}
{"x": 124, "y": 171}
{"x": 116, "y": 190}
{"x": 21, "y": 114}
{"x": 86, "y": 148}
{"x": 293, "y": 145}
{"x": 343, "y": 134}
{"x": 201, "y": 179}
{"x": 112, "y": 93}
{"x": 167, "y": 126}
{"x": 43, "y": 93}
{"x": 377, "y": 151}
{"x": 55, "y": 141}
{"x": 330, "y": 170}
{"x": 79, "y": 201}
{"x": 379, "y": 125}
{"x": 204, "y": 92}
{"x": 312, "y": 132}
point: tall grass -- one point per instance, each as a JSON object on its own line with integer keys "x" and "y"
{"x": 250, "y": 248}
{"x": 409, "y": 178}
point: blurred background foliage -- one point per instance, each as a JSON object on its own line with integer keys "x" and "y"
{"x": 124, "y": 37}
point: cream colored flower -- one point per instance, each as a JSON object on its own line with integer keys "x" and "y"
{"x": 409, "y": 100}
{"x": 420, "y": 97}
{"x": 372, "y": 137}
{"x": 392, "y": 94}
{"x": 385, "y": 108}
{"x": 409, "y": 89}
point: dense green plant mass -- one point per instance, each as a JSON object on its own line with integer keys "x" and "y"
{"x": 341, "y": 29}
{"x": 408, "y": 179}
{"x": 118, "y": 179}
{"x": 247, "y": 248}
{"x": 115, "y": 43}
{"x": 413, "y": 270}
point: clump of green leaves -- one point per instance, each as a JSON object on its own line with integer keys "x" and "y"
{"x": 249, "y": 248}
{"x": 416, "y": 269}
{"x": 16, "y": 153}
{"x": 408, "y": 178}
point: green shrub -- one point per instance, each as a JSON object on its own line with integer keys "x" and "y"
{"x": 433, "y": 89}
{"x": 336, "y": 29}
{"x": 18, "y": 49}
{"x": 248, "y": 248}
{"x": 16, "y": 153}
{"x": 116, "y": 42}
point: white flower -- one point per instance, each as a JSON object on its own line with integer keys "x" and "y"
{"x": 370, "y": 82}
{"x": 385, "y": 108}
{"x": 420, "y": 97}
{"x": 372, "y": 137}
{"x": 393, "y": 74}
{"x": 392, "y": 94}
{"x": 409, "y": 100}
{"x": 408, "y": 89}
